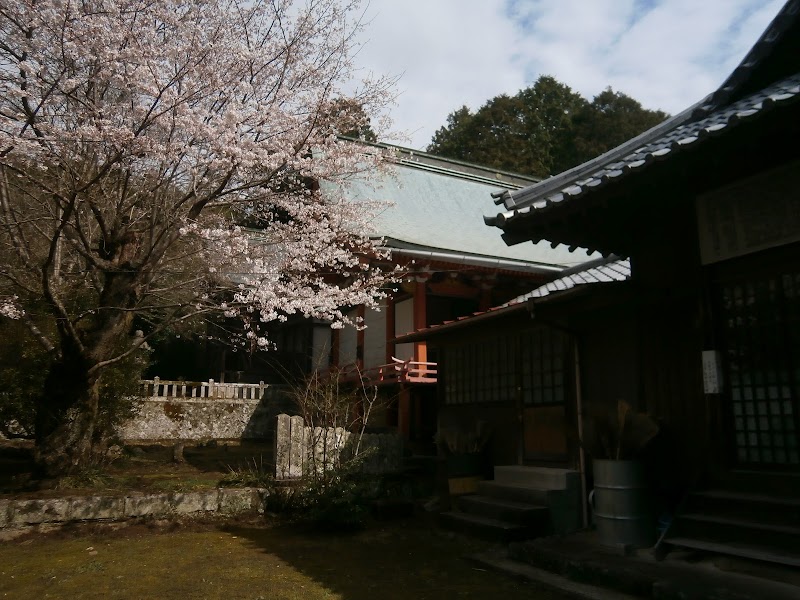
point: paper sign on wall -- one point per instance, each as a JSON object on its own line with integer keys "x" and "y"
{"x": 712, "y": 372}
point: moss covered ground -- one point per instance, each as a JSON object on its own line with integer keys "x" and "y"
{"x": 142, "y": 468}
{"x": 259, "y": 558}
{"x": 248, "y": 560}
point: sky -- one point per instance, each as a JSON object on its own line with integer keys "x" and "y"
{"x": 667, "y": 54}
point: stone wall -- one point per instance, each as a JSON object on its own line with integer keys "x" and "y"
{"x": 17, "y": 514}
{"x": 300, "y": 449}
{"x": 187, "y": 418}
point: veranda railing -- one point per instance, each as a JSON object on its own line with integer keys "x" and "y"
{"x": 397, "y": 371}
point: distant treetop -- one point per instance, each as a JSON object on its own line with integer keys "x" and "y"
{"x": 542, "y": 130}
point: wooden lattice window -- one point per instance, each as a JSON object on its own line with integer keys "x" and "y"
{"x": 761, "y": 330}
{"x": 544, "y": 354}
{"x": 479, "y": 372}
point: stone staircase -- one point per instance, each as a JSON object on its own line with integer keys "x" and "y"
{"x": 756, "y": 525}
{"x": 520, "y": 503}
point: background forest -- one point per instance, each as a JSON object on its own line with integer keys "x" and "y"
{"x": 543, "y": 129}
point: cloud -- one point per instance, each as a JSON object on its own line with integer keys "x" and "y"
{"x": 449, "y": 53}
{"x": 667, "y": 54}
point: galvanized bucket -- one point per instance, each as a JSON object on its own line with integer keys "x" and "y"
{"x": 622, "y": 510}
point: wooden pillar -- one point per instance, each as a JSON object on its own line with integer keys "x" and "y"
{"x": 420, "y": 317}
{"x": 404, "y": 412}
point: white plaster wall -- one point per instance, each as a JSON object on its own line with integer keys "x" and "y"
{"x": 375, "y": 338}
{"x": 348, "y": 338}
{"x": 321, "y": 347}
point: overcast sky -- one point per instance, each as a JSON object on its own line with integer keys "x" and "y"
{"x": 667, "y": 54}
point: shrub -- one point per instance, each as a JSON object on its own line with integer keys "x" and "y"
{"x": 339, "y": 501}
{"x": 253, "y": 473}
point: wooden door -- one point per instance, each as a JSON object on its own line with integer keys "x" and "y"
{"x": 544, "y": 355}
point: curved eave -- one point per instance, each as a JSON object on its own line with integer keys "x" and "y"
{"x": 534, "y": 201}
{"x": 489, "y": 263}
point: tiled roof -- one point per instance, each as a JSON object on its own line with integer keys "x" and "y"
{"x": 436, "y": 205}
{"x": 672, "y": 136}
{"x": 600, "y": 271}
{"x": 604, "y": 270}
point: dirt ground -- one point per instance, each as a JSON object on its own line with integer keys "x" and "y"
{"x": 399, "y": 560}
{"x": 146, "y": 468}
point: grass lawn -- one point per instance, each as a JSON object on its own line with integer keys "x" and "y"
{"x": 400, "y": 560}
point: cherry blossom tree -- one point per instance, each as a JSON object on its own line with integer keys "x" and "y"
{"x": 136, "y": 137}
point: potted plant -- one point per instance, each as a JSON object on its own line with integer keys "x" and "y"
{"x": 621, "y": 500}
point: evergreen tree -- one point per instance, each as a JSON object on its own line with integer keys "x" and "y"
{"x": 542, "y": 130}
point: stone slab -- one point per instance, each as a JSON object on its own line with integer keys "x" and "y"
{"x": 4, "y": 513}
{"x": 148, "y": 505}
{"x": 16, "y": 514}
{"x": 192, "y": 502}
{"x": 33, "y": 512}
{"x": 93, "y": 508}
{"x": 233, "y": 501}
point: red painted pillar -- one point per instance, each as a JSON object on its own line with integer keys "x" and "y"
{"x": 420, "y": 317}
{"x": 406, "y": 413}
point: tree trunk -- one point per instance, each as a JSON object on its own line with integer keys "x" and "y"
{"x": 70, "y": 435}
{"x": 66, "y": 419}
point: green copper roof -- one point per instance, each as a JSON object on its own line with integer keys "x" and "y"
{"x": 439, "y": 205}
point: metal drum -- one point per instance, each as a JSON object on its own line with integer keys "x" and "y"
{"x": 622, "y": 509}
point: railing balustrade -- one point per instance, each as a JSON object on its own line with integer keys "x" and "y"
{"x": 161, "y": 388}
{"x": 397, "y": 371}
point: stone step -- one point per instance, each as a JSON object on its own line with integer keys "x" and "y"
{"x": 581, "y": 558}
{"x": 734, "y": 536}
{"x": 543, "y": 477}
{"x": 515, "y": 492}
{"x": 521, "y": 513}
{"x": 743, "y": 549}
{"x": 487, "y": 528}
{"x": 728, "y": 496}
{"x": 770, "y": 510}
{"x": 752, "y": 522}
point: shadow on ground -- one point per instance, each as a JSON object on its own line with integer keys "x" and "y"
{"x": 397, "y": 560}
